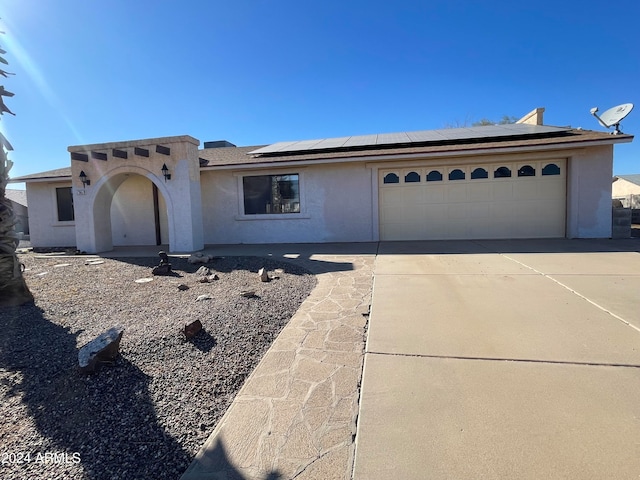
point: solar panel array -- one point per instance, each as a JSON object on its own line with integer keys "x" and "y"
{"x": 406, "y": 138}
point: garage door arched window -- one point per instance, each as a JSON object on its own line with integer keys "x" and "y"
{"x": 391, "y": 178}
{"x": 456, "y": 174}
{"x": 551, "y": 169}
{"x": 502, "y": 172}
{"x": 527, "y": 171}
{"x": 412, "y": 177}
{"x": 479, "y": 173}
{"x": 434, "y": 176}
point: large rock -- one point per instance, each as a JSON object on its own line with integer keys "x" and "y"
{"x": 192, "y": 329}
{"x": 164, "y": 269}
{"x": 102, "y": 349}
{"x": 203, "y": 271}
{"x": 264, "y": 275}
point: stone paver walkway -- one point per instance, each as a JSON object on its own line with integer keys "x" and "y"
{"x": 295, "y": 416}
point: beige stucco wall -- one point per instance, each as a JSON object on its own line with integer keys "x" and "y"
{"x": 45, "y": 229}
{"x": 589, "y": 192}
{"x": 132, "y": 213}
{"x": 335, "y": 207}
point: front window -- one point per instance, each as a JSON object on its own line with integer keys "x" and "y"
{"x": 265, "y": 194}
{"x": 64, "y": 200}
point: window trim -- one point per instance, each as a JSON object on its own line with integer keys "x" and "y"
{"x": 462, "y": 170}
{"x": 241, "y": 216}
{"x": 384, "y": 177}
{"x": 549, "y": 164}
{"x": 439, "y": 171}
{"x": 502, "y": 177}
{"x": 411, "y": 182}
{"x": 532, "y": 166}
{"x": 479, "y": 167}
{"x": 54, "y": 206}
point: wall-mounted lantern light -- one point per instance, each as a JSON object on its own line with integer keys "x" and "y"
{"x": 165, "y": 172}
{"x": 83, "y": 178}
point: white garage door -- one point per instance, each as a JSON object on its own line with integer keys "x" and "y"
{"x": 507, "y": 200}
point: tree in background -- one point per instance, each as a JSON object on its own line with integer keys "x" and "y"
{"x": 506, "y": 119}
{"x": 13, "y": 289}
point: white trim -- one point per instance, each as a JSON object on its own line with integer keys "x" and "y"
{"x": 375, "y": 202}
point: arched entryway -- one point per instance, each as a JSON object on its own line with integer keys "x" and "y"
{"x": 138, "y": 213}
{"x": 142, "y": 192}
{"x": 130, "y": 209}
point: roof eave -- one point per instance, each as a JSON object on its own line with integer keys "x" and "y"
{"x": 40, "y": 179}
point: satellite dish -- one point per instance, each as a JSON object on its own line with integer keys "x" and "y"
{"x": 613, "y": 116}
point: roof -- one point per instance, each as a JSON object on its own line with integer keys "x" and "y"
{"x": 57, "y": 174}
{"x": 567, "y": 138}
{"x": 634, "y": 178}
{"x": 17, "y": 196}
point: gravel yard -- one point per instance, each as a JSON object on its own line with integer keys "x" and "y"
{"x": 146, "y": 416}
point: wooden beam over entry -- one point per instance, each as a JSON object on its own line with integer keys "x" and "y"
{"x": 120, "y": 153}
{"x": 80, "y": 157}
{"x": 163, "y": 150}
{"x": 142, "y": 152}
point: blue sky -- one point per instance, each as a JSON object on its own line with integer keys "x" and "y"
{"x": 257, "y": 72}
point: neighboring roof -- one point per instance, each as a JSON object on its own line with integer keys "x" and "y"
{"x": 634, "y": 178}
{"x": 57, "y": 174}
{"x": 17, "y": 196}
{"x": 236, "y": 157}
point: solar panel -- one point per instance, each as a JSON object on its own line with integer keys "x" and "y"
{"x": 305, "y": 144}
{"x": 391, "y": 138}
{"x": 275, "y": 147}
{"x": 331, "y": 143}
{"x": 421, "y": 136}
{"x": 426, "y": 136}
{"x": 361, "y": 140}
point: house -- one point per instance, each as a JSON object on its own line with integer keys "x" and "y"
{"x": 524, "y": 180}
{"x": 626, "y": 188}
{"x": 625, "y": 191}
{"x": 18, "y": 201}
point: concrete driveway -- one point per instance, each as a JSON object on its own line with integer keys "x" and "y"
{"x": 502, "y": 359}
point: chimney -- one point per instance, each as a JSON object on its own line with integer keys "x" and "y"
{"x": 534, "y": 117}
